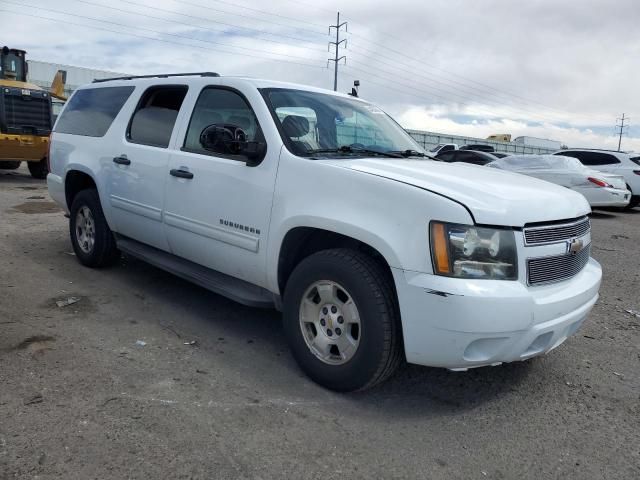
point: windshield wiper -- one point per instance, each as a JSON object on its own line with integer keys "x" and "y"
{"x": 348, "y": 149}
{"x": 411, "y": 153}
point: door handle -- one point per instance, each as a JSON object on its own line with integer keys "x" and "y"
{"x": 177, "y": 172}
{"x": 122, "y": 160}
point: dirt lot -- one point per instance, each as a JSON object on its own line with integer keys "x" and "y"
{"x": 82, "y": 397}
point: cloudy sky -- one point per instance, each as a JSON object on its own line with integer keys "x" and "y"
{"x": 559, "y": 69}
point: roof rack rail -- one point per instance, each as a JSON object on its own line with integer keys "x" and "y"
{"x": 160, "y": 75}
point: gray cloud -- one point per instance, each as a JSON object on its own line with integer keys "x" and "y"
{"x": 556, "y": 68}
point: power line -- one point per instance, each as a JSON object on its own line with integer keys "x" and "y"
{"x": 209, "y": 8}
{"x": 336, "y": 44}
{"x": 466, "y": 98}
{"x": 190, "y": 25}
{"x": 265, "y": 12}
{"x": 503, "y": 92}
{"x": 311, "y": 5}
{"x": 430, "y": 98}
{"x": 155, "y": 31}
{"x": 466, "y": 90}
{"x": 622, "y": 126}
{"x": 199, "y": 18}
{"x": 217, "y": 50}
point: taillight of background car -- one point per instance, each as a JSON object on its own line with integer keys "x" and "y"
{"x": 598, "y": 182}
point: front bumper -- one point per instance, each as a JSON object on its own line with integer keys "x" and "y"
{"x": 460, "y": 323}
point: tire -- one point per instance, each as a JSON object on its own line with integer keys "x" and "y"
{"x": 38, "y": 169}
{"x": 92, "y": 239}
{"x": 635, "y": 200}
{"x": 378, "y": 337}
{"x": 9, "y": 165}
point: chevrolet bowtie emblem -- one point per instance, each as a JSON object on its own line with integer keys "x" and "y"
{"x": 575, "y": 246}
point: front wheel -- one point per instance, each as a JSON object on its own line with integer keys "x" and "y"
{"x": 38, "y": 169}
{"x": 635, "y": 200}
{"x": 91, "y": 237}
{"x": 341, "y": 320}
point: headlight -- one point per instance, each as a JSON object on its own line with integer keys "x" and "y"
{"x": 466, "y": 251}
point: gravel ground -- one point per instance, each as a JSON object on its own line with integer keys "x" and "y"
{"x": 81, "y": 397}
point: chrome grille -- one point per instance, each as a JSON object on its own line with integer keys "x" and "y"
{"x": 556, "y": 268}
{"x": 556, "y": 233}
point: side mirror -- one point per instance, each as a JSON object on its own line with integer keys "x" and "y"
{"x": 232, "y": 140}
{"x": 254, "y": 151}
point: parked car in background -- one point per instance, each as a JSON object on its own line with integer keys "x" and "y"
{"x": 610, "y": 161}
{"x": 599, "y": 188}
{"x": 478, "y": 147}
{"x": 467, "y": 156}
{"x": 501, "y": 154}
{"x": 443, "y": 147}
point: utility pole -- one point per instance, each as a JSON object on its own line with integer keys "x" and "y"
{"x": 622, "y": 126}
{"x": 336, "y": 44}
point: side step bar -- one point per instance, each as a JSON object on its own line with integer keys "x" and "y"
{"x": 230, "y": 287}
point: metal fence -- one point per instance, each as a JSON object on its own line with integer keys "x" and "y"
{"x": 429, "y": 140}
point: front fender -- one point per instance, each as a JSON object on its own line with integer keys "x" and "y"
{"x": 389, "y": 216}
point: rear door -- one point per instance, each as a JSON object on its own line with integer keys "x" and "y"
{"x": 137, "y": 172}
{"x": 218, "y": 208}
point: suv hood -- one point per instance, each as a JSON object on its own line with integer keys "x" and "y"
{"x": 494, "y": 197}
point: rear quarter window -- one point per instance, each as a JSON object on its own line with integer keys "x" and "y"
{"x": 90, "y": 112}
{"x": 592, "y": 158}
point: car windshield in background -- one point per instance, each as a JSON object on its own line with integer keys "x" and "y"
{"x": 320, "y": 125}
{"x": 538, "y": 162}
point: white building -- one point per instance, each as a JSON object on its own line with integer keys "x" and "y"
{"x": 42, "y": 73}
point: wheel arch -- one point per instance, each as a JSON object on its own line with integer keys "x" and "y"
{"x": 300, "y": 242}
{"x": 75, "y": 181}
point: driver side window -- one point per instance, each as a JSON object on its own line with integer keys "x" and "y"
{"x": 224, "y": 108}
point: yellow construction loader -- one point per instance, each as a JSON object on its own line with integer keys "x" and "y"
{"x": 26, "y": 116}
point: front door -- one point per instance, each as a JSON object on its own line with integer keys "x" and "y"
{"x": 217, "y": 207}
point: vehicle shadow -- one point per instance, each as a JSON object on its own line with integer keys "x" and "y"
{"x": 612, "y": 212}
{"x": 20, "y": 177}
{"x": 412, "y": 391}
{"x": 604, "y": 215}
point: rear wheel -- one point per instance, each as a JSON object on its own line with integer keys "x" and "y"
{"x": 635, "y": 200}
{"x": 91, "y": 237}
{"x": 341, "y": 320}
{"x": 38, "y": 169}
{"x": 9, "y": 165}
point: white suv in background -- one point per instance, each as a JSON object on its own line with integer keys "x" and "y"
{"x": 319, "y": 204}
{"x": 610, "y": 161}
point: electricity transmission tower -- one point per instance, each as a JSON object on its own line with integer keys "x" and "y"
{"x": 338, "y": 26}
{"x": 622, "y": 126}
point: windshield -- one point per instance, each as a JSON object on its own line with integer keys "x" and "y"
{"x": 12, "y": 66}
{"x": 317, "y": 124}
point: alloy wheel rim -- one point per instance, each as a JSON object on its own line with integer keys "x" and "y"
{"x": 85, "y": 229}
{"x": 330, "y": 322}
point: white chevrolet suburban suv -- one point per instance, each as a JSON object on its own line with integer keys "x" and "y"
{"x": 319, "y": 204}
